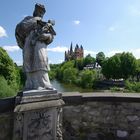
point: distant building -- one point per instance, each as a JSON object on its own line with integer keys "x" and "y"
{"x": 77, "y": 53}
{"x": 92, "y": 66}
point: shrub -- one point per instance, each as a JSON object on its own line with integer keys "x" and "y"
{"x": 132, "y": 86}
{"x": 5, "y": 89}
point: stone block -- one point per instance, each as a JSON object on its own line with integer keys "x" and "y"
{"x": 37, "y": 116}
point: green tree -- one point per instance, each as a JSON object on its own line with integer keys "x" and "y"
{"x": 138, "y": 70}
{"x": 112, "y": 67}
{"x": 63, "y": 66}
{"x": 119, "y": 66}
{"x": 69, "y": 75}
{"x": 5, "y": 89}
{"x": 79, "y": 64}
{"x": 87, "y": 78}
{"x": 9, "y": 70}
{"x": 106, "y": 69}
{"x": 89, "y": 60}
{"x": 128, "y": 64}
{"x": 100, "y": 58}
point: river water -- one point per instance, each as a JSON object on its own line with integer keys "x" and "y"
{"x": 61, "y": 87}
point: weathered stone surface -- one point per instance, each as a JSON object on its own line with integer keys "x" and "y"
{"x": 122, "y": 133}
{"x": 86, "y": 120}
{"x": 37, "y": 116}
{"x": 132, "y": 118}
{"x": 102, "y": 120}
{"x": 33, "y": 35}
{"x": 6, "y": 126}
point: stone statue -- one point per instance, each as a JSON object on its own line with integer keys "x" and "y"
{"x": 33, "y": 35}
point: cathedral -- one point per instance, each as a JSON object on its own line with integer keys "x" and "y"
{"x": 77, "y": 53}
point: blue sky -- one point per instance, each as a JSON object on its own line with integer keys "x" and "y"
{"x": 110, "y": 26}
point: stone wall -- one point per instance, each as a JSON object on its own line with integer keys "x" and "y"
{"x": 101, "y": 117}
{"x": 6, "y": 118}
{"x": 95, "y": 116}
{"x": 6, "y": 126}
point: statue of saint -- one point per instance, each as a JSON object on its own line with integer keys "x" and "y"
{"x": 33, "y": 35}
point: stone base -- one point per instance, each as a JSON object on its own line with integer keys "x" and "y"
{"x": 37, "y": 115}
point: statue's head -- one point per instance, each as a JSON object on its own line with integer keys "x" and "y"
{"x": 39, "y": 10}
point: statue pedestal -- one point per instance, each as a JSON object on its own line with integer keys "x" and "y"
{"x": 37, "y": 115}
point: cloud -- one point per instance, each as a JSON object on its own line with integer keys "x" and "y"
{"x": 19, "y": 63}
{"x": 76, "y": 22}
{"x": 111, "y": 53}
{"x": 134, "y": 11}
{"x": 135, "y": 52}
{"x": 56, "y": 61}
{"x": 112, "y": 28}
{"x": 11, "y": 48}
{"x": 2, "y": 32}
{"x": 86, "y": 52}
{"x": 60, "y": 49}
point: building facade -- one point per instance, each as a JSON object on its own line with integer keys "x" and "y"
{"x": 73, "y": 54}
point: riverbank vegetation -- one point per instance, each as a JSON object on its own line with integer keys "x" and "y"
{"x": 120, "y": 72}
{"x": 10, "y": 79}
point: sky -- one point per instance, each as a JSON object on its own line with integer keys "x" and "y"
{"x": 110, "y": 26}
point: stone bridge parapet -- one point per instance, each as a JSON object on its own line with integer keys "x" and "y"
{"x": 88, "y": 116}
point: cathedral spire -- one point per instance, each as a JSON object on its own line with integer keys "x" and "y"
{"x": 71, "y": 49}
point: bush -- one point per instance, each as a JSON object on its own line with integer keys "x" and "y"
{"x": 116, "y": 89}
{"x": 5, "y": 89}
{"x": 132, "y": 86}
{"x": 87, "y": 78}
{"x": 9, "y": 70}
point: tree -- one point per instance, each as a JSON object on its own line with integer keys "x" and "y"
{"x": 87, "y": 78}
{"x": 69, "y": 75}
{"x": 119, "y": 66}
{"x": 138, "y": 69}
{"x": 128, "y": 64}
{"x": 89, "y": 60}
{"x": 112, "y": 67}
{"x": 62, "y": 67}
{"x": 106, "y": 70}
{"x": 9, "y": 70}
{"x": 5, "y": 89}
{"x": 100, "y": 58}
{"x": 79, "y": 64}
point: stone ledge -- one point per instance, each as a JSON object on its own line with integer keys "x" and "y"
{"x": 8, "y": 104}
{"x": 77, "y": 98}
{"x": 38, "y": 105}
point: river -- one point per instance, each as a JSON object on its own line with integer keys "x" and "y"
{"x": 61, "y": 87}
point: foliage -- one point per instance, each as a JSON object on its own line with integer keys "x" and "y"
{"x": 9, "y": 70}
{"x": 119, "y": 66}
{"x": 87, "y": 78}
{"x": 100, "y": 58}
{"x": 21, "y": 76}
{"x": 69, "y": 75}
{"x": 128, "y": 65}
{"x": 71, "y": 72}
{"x": 116, "y": 89}
{"x": 63, "y": 66}
{"x": 79, "y": 64}
{"x": 137, "y": 73}
{"x": 89, "y": 60}
{"x": 112, "y": 67}
{"x": 53, "y": 72}
{"x": 52, "y": 75}
{"x": 132, "y": 86}
{"x": 5, "y": 89}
